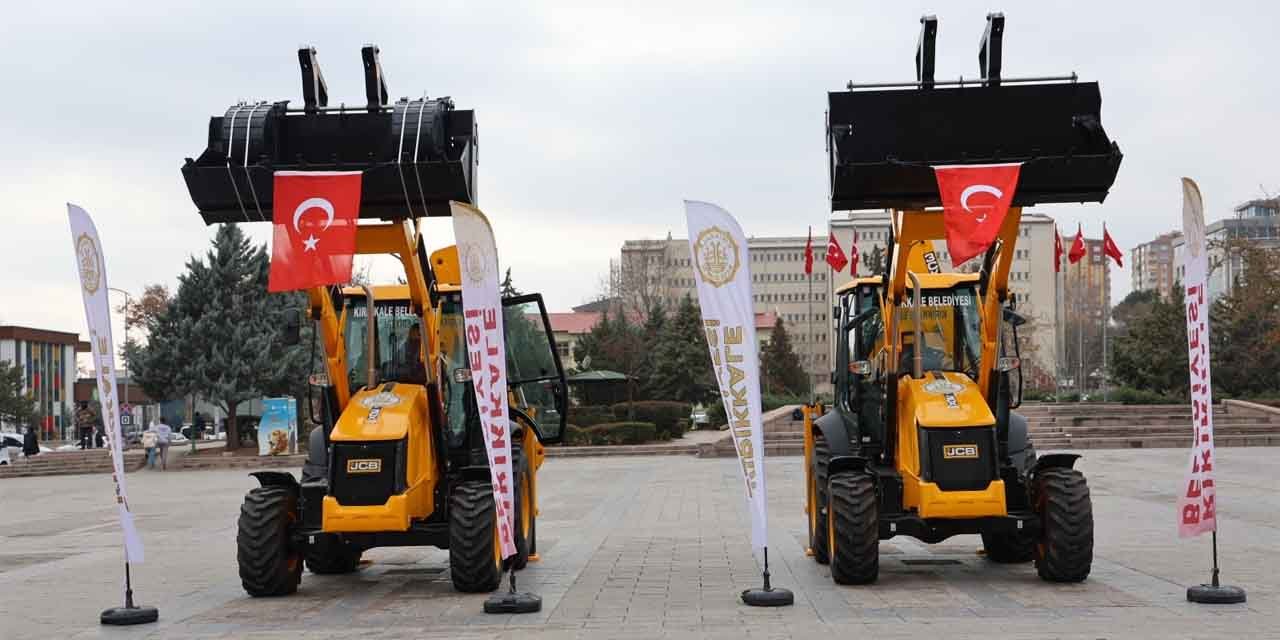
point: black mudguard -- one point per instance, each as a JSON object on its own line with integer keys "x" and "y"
{"x": 277, "y": 479}
{"x": 835, "y": 432}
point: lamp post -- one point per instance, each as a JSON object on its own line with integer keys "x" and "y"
{"x": 127, "y": 378}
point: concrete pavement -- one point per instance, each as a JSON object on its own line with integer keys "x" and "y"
{"x": 645, "y": 548}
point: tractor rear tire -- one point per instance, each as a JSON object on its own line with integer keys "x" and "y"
{"x": 854, "y": 528}
{"x": 473, "y": 560}
{"x": 818, "y": 534}
{"x": 269, "y": 563}
{"x": 329, "y": 555}
{"x": 1009, "y": 548}
{"x": 1064, "y": 552}
{"x": 523, "y": 542}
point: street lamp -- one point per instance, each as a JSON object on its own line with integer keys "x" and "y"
{"x": 127, "y": 301}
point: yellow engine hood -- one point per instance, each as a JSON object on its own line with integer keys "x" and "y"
{"x": 949, "y": 400}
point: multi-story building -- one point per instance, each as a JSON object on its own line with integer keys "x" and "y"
{"x": 663, "y": 269}
{"x": 1031, "y": 279}
{"x": 1255, "y": 221}
{"x": 1152, "y": 266}
{"x": 48, "y": 363}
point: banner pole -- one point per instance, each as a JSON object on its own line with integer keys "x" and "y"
{"x": 813, "y": 346}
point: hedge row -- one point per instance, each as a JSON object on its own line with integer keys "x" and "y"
{"x": 611, "y": 433}
{"x": 670, "y": 418}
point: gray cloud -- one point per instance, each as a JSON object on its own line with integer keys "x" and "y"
{"x": 595, "y": 121}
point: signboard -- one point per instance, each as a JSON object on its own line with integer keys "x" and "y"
{"x": 278, "y": 430}
{"x": 126, "y": 415}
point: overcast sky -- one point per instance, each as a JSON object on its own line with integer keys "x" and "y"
{"x": 595, "y": 122}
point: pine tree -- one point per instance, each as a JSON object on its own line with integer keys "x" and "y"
{"x": 780, "y": 366}
{"x": 1152, "y": 356}
{"x": 682, "y": 364}
{"x": 654, "y": 327}
{"x": 219, "y": 338}
{"x": 17, "y": 409}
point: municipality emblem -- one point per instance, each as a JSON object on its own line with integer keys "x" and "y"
{"x": 475, "y": 263}
{"x": 90, "y": 262}
{"x": 717, "y": 256}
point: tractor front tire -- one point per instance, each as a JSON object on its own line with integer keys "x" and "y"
{"x": 269, "y": 563}
{"x": 473, "y": 557}
{"x": 1064, "y": 552}
{"x": 1009, "y": 548}
{"x": 818, "y": 532}
{"x": 853, "y": 528}
{"x": 329, "y": 555}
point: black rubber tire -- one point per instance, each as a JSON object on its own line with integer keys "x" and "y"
{"x": 269, "y": 564}
{"x": 1009, "y": 548}
{"x": 329, "y": 555}
{"x": 471, "y": 538}
{"x": 1064, "y": 552}
{"x": 818, "y": 537}
{"x": 854, "y": 519}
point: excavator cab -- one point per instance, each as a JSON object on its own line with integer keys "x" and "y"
{"x": 922, "y": 439}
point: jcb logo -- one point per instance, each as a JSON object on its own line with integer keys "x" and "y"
{"x": 959, "y": 451}
{"x": 365, "y": 465}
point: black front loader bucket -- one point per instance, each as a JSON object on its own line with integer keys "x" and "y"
{"x": 883, "y": 143}
{"x": 416, "y": 155}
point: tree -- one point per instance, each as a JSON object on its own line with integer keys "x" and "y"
{"x": 17, "y": 409}
{"x": 1245, "y": 326}
{"x": 651, "y": 331}
{"x": 1152, "y": 355}
{"x": 219, "y": 336}
{"x": 682, "y": 363}
{"x": 142, "y": 312}
{"x": 780, "y": 366}
{"x": 1135, "y": 305}
{"x": 873, "y": 260}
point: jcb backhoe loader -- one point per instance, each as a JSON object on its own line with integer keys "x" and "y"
{"x": 921, "y": 440}
{"x": 396, "y": 457}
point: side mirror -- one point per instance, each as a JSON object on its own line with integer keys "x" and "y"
{"x": 291, "y": 332}
{"x": 860, "y": 368}
{"x": 1008, "y": 363}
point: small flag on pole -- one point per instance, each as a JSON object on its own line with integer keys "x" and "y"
{"x": 808, "y": 254}
{"x": 835, "y": 255}
{"x": 1077, "y": 246}
{"x": 1109, "y": 247}
{"x": 853, "y": 255}
{"x": 1057, "y": 249}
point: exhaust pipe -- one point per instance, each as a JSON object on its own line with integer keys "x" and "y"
{"x": 371, "y": 327}
{"x": 917, "y": 317}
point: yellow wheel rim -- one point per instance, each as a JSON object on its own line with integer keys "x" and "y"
{"x": 497, "y": 541}
{"x": 831, "y": 534}
{"x": 526, "y": 508}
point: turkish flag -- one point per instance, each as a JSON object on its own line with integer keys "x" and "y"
{"x": 1077, "y": 247}
{"x": 1109, "y": 247}
{"x": 835, "y": 255}
{"x": 975, "y": 199}
{"x": 1057, "y": 249}
{"x": 314, "y": 240}
{"x": 853, "y": 255}
{"x": 808, "y": 254}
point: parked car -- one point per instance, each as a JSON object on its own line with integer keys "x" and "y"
{"x": 698, "y": 419}
{"x": 11, "y": 447}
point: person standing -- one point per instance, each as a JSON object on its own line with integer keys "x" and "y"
{"x": 149, "y": 443}
{"x": 30, "y": 445}
{"x": 163, "y": 433}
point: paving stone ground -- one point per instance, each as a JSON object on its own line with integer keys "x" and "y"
{"x": 646, "y": 548}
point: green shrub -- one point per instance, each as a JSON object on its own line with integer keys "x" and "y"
{"x": 1128, "y": 395}
{"x": 575, "y": 435}
{"x": 663, "y": 414}
{"x": 623, "y": 433}
{"x": 590, "y": 415}
{"x": 681, "y": 427}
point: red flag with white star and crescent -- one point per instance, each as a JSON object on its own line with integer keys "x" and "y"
{"x": 314, "y": 240}
{"x": 975, "y": 199}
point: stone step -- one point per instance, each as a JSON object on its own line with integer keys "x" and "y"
{"x": 1095, "y": 432}
{"x": 622, "y": 450}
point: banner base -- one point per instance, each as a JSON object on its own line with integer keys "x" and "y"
{"x": 768, "y": 597}
{"x": 122, "y": 616}
{"x": 513, "y": 601}
{"x": 1215, "y": 594}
